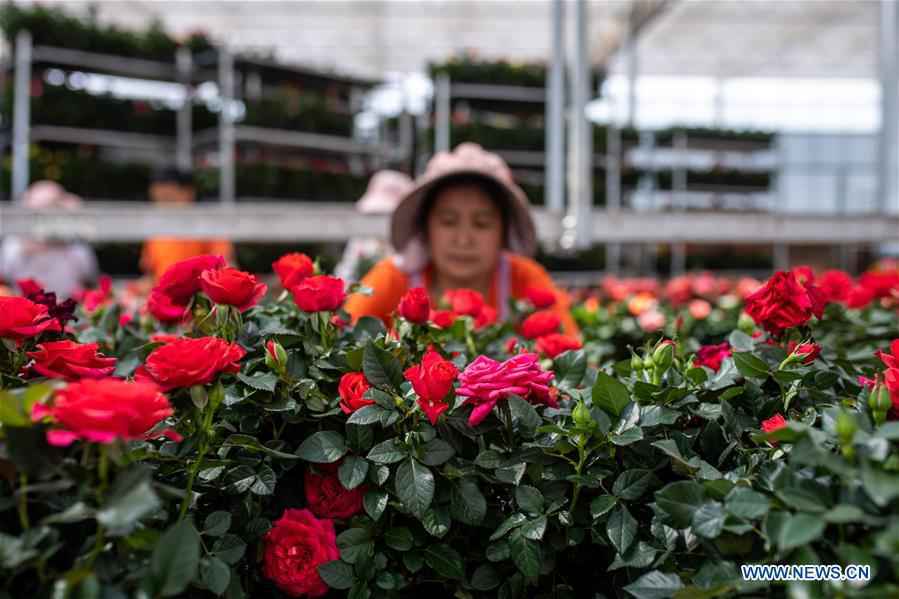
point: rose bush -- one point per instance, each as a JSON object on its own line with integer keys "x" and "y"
{"x": 275, "y": 451}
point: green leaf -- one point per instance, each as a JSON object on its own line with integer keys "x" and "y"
{"x": 740, "y": 341}
{"x": 265, "y": 481}
{"x": 524, "y": 415}
{"x": 16, "y": 405}
{"x": 800, "y": 529}
{"x": 366, "y": 415}
{"x": 486, "y": 578}
{"x": 399, "y": 538}
{"x": 889, "y": 431}
{"x": 610, "y": 395}
{"x": 352, "y": 472}
{"x": 640, "y": 555}
{"x": 510, "y": 523}
{"x": 743, "y": 502}
{"x": 123, "y": 510}
{"x": 534, "y": 529}
{"x": 261, "y": 381}
{"x": 414, "y": 486}
{"x": 632, "y": 484}
{"x": 570, "y": 368}
{"x": 387, "y": 452}
{"x": 511, "y": 474}
{"x": 252, "y": 443}
{"x": 489, "y": 459}
{"x": 445, "y": 561}
{"x": 436, "y": 452}
{"x": 354, "y": 544}
{"x": 881, "y": 486}
{"x": 679, "y": 500}
{"x": 176, "y": 559}
{"x": 381, "y": 368}
{"x": 622, "y": 529}
{"x": 375, "y": 502}
{"x": 467, "y": 504}
{"x": 656, "y": 415}
{"x": 337, "y": 575}
{"x": 655, "y": 585}
{"x": 436, "y": 521}
{"x": 525, "y": 554}
{"x": 529, "y": 499}
{"x": 708, "y": 520}
{"x": 215, "y": 574}
{"x": 751, "y": 366}
{"x": 323, "y": 447}
{"x": 217, "y": 523}
{"x": 602, "y": 505}
{"x": 229, "y": 548}
{"x": 628, "y": 436}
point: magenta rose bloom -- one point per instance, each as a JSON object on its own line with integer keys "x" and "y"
{"x": 485, "y": 382}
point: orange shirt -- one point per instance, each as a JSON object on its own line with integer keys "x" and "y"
{"x": 160, "y": 253}
{"x": 388, "y": 284}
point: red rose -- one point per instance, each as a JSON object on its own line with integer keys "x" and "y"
{"x": 21, "y": 319}
{"x": 415, "y": 306}
{"x": 699, "y": 309}
{"x": 712, "y": 355}
{"x": 187, "y": 362}
{"x": 835, "y": 285}
{"x": 104, "y": 410}
{"x": 486, "y": 318}
{"x": 859, "y": 297}
{"x": 326, "y": 495}
{"x": 232, "y": 287}
{"x": 295, "y": 547}
{"x": 164, "y": 309}
{"x": 774, "y": 423}
{"x": 783, "y": 303}
{"x": 541, "y": 323}
{"x": 30, "y": 287}
{"x": 318, "y": 294}
{"x": 556, "y": 343}
{"x": 443, "y": 318}
{"x": 485, "y": 382}
{"x": 94, "y": 298}
{"x": 464, "y": 302}
{"x": 351, "y": 389}
{"x": 293, "y": 268}
{"x": 540, "y": 297}
{"x": 808, "y": 351}
{"x": 432, "y": 381}
{"x": 511, "y": 345}
{"x": 182, "y": 279}
{"x": 880, "y": 283}
{"x": 71, "y": 361}
{"x": 804, "y": 274}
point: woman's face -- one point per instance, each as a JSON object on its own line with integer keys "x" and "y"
{"x": 465, "y": 233}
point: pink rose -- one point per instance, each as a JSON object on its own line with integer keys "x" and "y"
{"x": 486, "y": 381}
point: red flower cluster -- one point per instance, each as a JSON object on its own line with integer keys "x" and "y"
{"x": 71, "y": 361}
{"x": 102, "y": 411}
{"x": 540, "y": 323}
{"x": 295, "y": 547}
{"x": 432, "y": 380}
{"x": 21, "y": 319}
{"x": 485, "y": 382}
{"x": 891, "y": 375}
{"x": 293, "y": 268}
{"x": 92, "y": 299}
{"x": 464, "y": 302}
{"x": 540, "y": 297}
{"x": 415, "y": 306}
{"x": 783, "y": 303}
{"x": 176, "y": 287}
{"x": 319, "y": 294}
{"x": 187, "y": 362}
{"x": 713, "y": 355}
{"x": 232, "y": 287}
{"x": 556, "y": 343}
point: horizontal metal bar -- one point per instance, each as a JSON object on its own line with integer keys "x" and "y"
{"x": 108, "y": 63}
{"x": 293, "y": 139}
{"x": 513, "y": 93}
{"x": 250, "y": 221}
{"x": 102, "y": 137}
{"x": 312, "y": 221}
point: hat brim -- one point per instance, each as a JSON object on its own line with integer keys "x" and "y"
{"x": 522, "y": 233}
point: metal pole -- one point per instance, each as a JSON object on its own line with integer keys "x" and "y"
{"x": 581, "y": 140}
{"x": 555, "y": 118}
{"x": 184, "y": 124}
{"x": 442, "y": 114}
{"x": 632, "y": 69}
{"x": 889, "y": 101}
{"x": 21, "y": 119}
{"x": 613, "y": 182}
{"x": 679, "y": 188}
{"x": 226, "y": 127}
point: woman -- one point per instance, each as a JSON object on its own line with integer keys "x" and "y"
{"x": 465, "y": 224}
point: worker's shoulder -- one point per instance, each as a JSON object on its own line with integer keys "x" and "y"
{"x": 522, "y": 266}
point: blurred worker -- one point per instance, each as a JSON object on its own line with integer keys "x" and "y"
{"x": 465, "y": 224}
{"x": 385, "y": 190}
{"x": 171, "y": 187}
{"x": 61, "y": 266}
